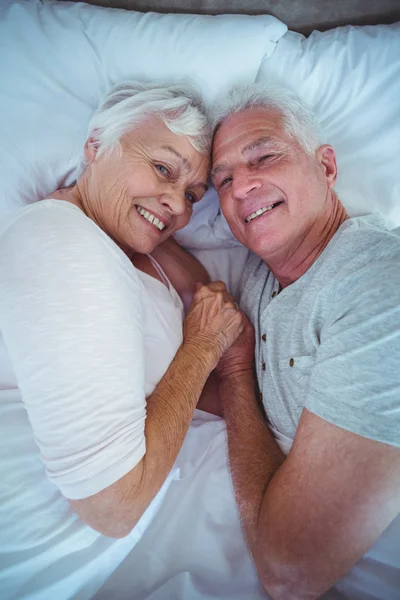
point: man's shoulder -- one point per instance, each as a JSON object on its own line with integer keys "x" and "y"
{"x": 363, "y": 236}
{"x": 359, "y": 274}
{"x": 361, "y": 247}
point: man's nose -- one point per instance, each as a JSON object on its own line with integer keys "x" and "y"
{"x": 243, "y": 182}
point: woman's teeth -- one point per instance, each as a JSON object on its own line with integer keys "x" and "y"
{"x": 150, "y": 218}
{"x": 259, "y": 212}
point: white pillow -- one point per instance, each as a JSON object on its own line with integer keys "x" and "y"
{"x": 58, "y": 59}
{"x": 351, "y": 77}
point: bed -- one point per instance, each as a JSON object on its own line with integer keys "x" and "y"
{"x": 59, "y": 58}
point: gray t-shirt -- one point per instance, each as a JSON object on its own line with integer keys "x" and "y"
{"x": 330, "y": 342}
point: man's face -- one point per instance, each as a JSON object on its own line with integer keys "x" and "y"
{"x": 271, "y": 191}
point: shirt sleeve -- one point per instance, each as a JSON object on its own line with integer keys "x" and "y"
{"x": 71, "y": 318}
{"x": 355, "y": 382}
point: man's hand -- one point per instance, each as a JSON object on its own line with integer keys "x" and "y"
{"x": 240, "y": 356}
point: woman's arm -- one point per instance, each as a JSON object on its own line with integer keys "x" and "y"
{"x": 75, "y": 340}
{"x": 184, "y": 271}
{"x": 210, "y": 327}
{"x": 115, "y": 510}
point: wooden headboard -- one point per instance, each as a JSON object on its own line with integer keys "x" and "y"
{"x": 299, "y": 15}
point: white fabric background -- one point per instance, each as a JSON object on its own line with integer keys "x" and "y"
{"x": 57, "y": 62}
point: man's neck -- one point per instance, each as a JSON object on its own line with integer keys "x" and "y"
{"x": 288, "y": 268}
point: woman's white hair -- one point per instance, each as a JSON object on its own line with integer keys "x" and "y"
{"x": 126, "y": 105}
{"x": 298, "y": 120}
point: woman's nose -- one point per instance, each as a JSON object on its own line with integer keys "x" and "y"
{"x": 174, "y": 200}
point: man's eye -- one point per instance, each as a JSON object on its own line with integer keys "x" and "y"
{"x": 224, "y": 182}
{"x": 263, "y": 158}
{"x": 191, "y": 197}
{"x": 163, "y": 170}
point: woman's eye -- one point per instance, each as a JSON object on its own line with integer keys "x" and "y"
{"x": 191, "y": 197}
{"x": 163, "y": 170}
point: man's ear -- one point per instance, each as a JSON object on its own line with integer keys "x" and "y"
{"x": 90, "y": 150}
{"x": 327, "y": 158}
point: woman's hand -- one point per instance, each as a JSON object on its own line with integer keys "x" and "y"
{"x": 213, "y": 322}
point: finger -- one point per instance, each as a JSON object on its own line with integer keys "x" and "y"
{"x": 227, "y": 297}
{"x": 217, "y": 286}
{"x": 230, "y": 306}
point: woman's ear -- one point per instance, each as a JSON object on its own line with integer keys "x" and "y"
{"x": 327, "y": 158}
{"x": 90, "y": 150}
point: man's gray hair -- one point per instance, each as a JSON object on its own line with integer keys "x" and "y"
{"x": 298, "y": 120}
{"x": 126, "y": 105}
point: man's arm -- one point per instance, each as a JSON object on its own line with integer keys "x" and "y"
{"x": 307, "y": 518}
{"x": 182, "y": 269}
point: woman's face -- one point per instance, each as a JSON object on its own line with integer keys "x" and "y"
{"x": 141, "y": 198}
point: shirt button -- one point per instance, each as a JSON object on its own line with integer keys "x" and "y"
{"x": 264, "y": 337}
{"x": 273, "y": 294}
{"x": 291, "y": 362}
{"x": 264, "y": 366}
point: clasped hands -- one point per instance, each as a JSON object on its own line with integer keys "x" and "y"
{"x": 218, "y": 331}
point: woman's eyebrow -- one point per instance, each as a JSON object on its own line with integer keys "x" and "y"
{"x": 185, "y": 162}
{"x": 200, "y": 184}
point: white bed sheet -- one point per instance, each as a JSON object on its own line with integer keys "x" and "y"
{"x": 193, "y": 549}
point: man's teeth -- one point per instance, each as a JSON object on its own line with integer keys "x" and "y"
{"x": 151, "y": 218}
{"x": 259, "y": 212}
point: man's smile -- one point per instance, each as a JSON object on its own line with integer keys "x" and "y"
{"x": 261, "y": 211}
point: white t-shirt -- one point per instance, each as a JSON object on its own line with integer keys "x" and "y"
{"x": 84, "y": 339}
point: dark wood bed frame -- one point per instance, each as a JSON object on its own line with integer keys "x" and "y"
{"x": 299, "y": 15}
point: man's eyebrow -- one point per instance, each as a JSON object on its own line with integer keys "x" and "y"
{"x": 217, "y": 169}
{"x": 262, "y": 142}
{"x": 171, "y": 149}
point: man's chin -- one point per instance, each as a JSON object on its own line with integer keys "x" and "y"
{"x": 262, "y": 247}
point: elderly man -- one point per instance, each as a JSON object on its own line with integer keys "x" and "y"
{"x": 322, "y": 291}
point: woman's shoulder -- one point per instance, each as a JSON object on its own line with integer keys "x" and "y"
{"x": 44, "y": 213}
{"x": 55, "y": 223}
{"x": 54, "y": 241}
{"x": 61, "y": 230}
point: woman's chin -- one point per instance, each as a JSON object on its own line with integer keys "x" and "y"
{"x": 147, "y": 246}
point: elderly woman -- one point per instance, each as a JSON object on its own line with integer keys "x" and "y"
{"x": 98, "y": 381}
